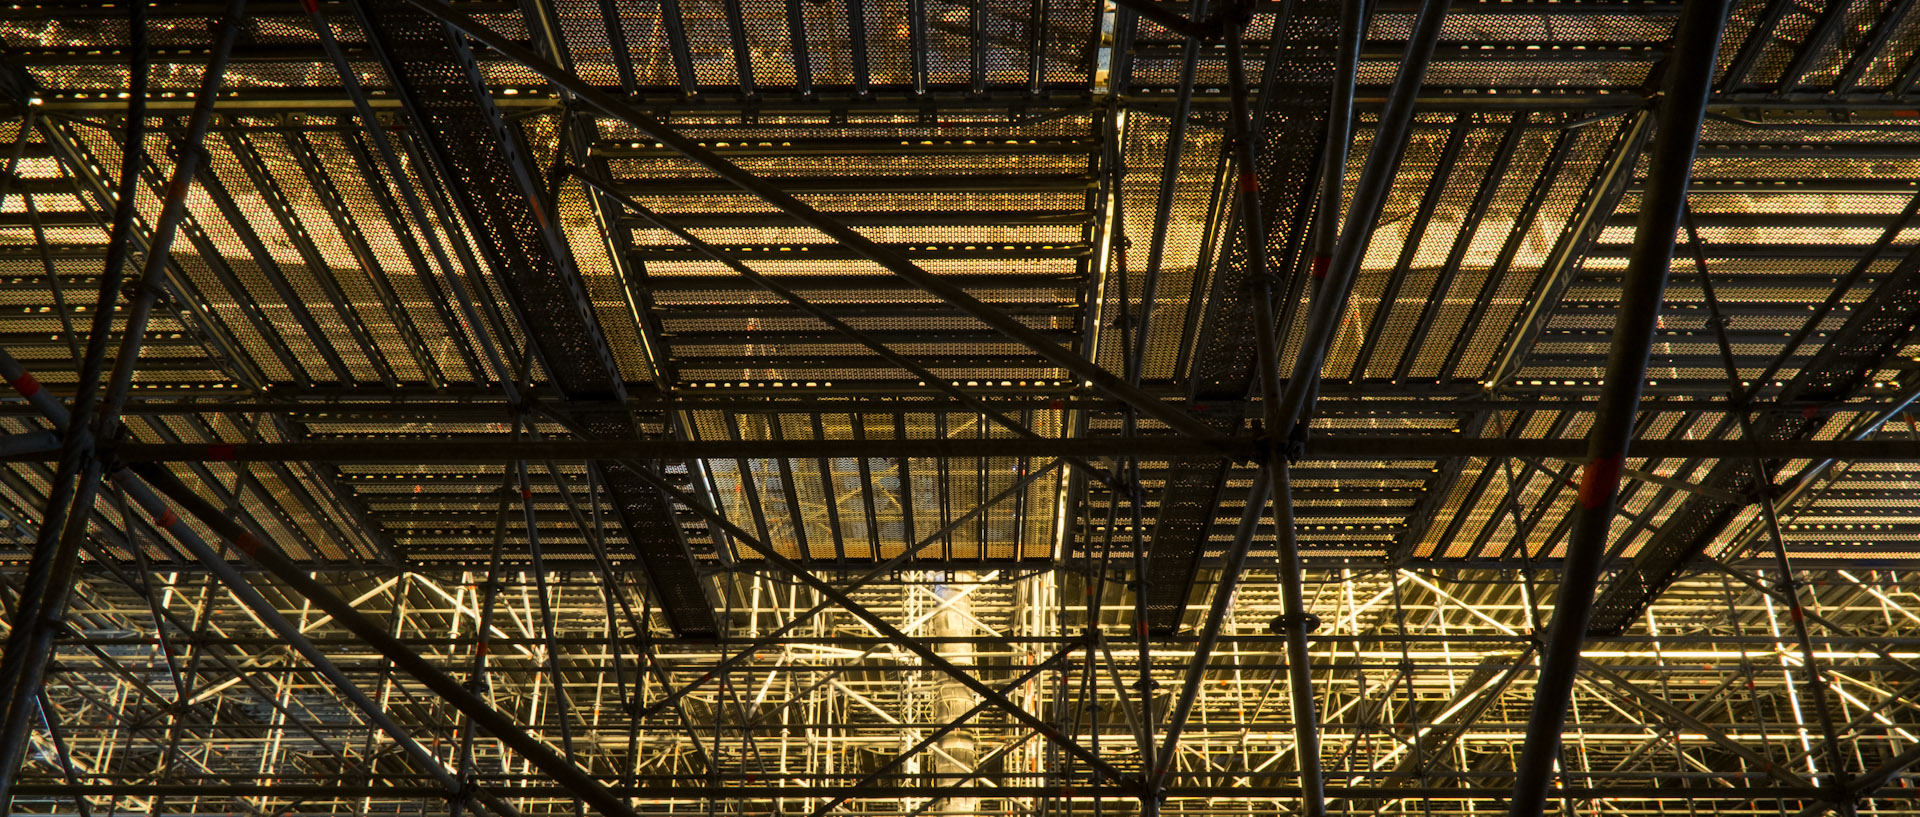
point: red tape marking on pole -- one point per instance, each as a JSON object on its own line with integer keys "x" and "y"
{"x": 1598, "y": 482}
{"x": 539, "y": 215}
{"x": 166, "y": 519}
{"x": 247, "y": 543}
{"x": 220, "y": 452}
{"x": 26, "y": 385}
{"x": 1320, "y": 265}
{"x": 1249, "y": 183}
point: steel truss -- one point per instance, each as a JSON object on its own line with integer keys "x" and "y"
{"x": 784, "y": 429}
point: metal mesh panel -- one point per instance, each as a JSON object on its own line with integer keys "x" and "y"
{"x": 709, "y": 41}
{"x": 1416, "y": 306}
{"x": 1170, "y": 326}
{"x": 321, "y": 241}
{"x": 1289, "y": 161}
{"x": 601, "y": 280}
{"x": 1740, "y": 26}
{"x": 1071, "y": 30}
{"x": 1825, "y": 66}
{"x": 509, "y": 228}
{"x": 950, "y": 42}
{"x": 646, "y": 41}
{"x": 257, "y": 300}
{"x": 1008, "y": 27}
{"x": 878, "y": 506}
{"x": 1379, "y": 264}
{"x": 1839, "y": 371}
{"x": 1478, "y": 72}
{"x": 829, "y": 52}
{"x": 1456, "y": 307}
{"x": 383, "y": 236}
{"x": 585, "y": 33}
{"x": 1290, "y": 139}
{"x": 889, "y": 60}
{"x": 1885, "y": 67}
{"x": 1783, "y": 41}
{"x": 1549, "y": 219}
{"x": 769, "y": 43}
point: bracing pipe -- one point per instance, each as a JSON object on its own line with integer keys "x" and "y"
{"x": 493, "y": 449}
{"x": 1369, "y": 198}
{"x": 853, "y": 240}
{"x": 143, "y": 495}
{"x": 76, "y": 482}
{"x": 1679, "y": 115}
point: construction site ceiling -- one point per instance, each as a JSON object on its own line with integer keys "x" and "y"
{"x": 826, "y": 343}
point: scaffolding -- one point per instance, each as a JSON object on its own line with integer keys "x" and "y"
{"x": 915, "y": 407}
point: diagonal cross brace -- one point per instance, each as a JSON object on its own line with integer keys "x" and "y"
{"x": 853, "y": 240}
{"x": 440, "y": 86}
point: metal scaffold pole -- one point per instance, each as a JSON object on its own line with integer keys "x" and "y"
{"x": 69, "y": 508}
{"x": 1695, "y": 45}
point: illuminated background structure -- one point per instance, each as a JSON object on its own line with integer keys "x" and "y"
{"x": 871, "y": 406}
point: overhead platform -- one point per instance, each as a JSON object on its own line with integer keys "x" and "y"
{"x": 822, "y": 407}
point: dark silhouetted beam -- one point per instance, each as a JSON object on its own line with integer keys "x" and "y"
{"x": 1679, "y": 115}
{"x": 501, "y": 448}
{"x": 493, "y": 187}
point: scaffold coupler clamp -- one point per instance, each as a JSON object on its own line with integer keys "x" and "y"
{"x": 1261, "y": 450}
{"x": 1284, "y": 622}
{"x": 107, "y": 451}
{"x": 1123, "y": 486}
{"x": 1297, "y": 442}
{"x": 178, "y": 149}
{"x": 467, "y": 788}
{"x": 1835, "y": 789}
{"x": 1239, "y": 12}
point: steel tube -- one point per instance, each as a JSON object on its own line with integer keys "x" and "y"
{"x": 1353, "y": 31}
{"x": 501, "y": 726}
{"x": 779, "y": 634}
{"x": 144, "y": 496}
{"x": 75, "y": 484}
{"x": 1867, "y": 784}
{"x": 1272, "y": 482}
{"x": 494, "y": 449}
{"x": 1680, "y": 113}
{"x": 163, "y": 517}
{"x": 1813, "y": 676}
{"x": 852, "y": 239}
{"x": 926, "y": 375}
{"x": 1257, "y": 497}
{"x": 1324, "y": 315}
{"x": 878, "y": 623}
{"x": 874, "y": 776}
{"x": 1169, "y": 179}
